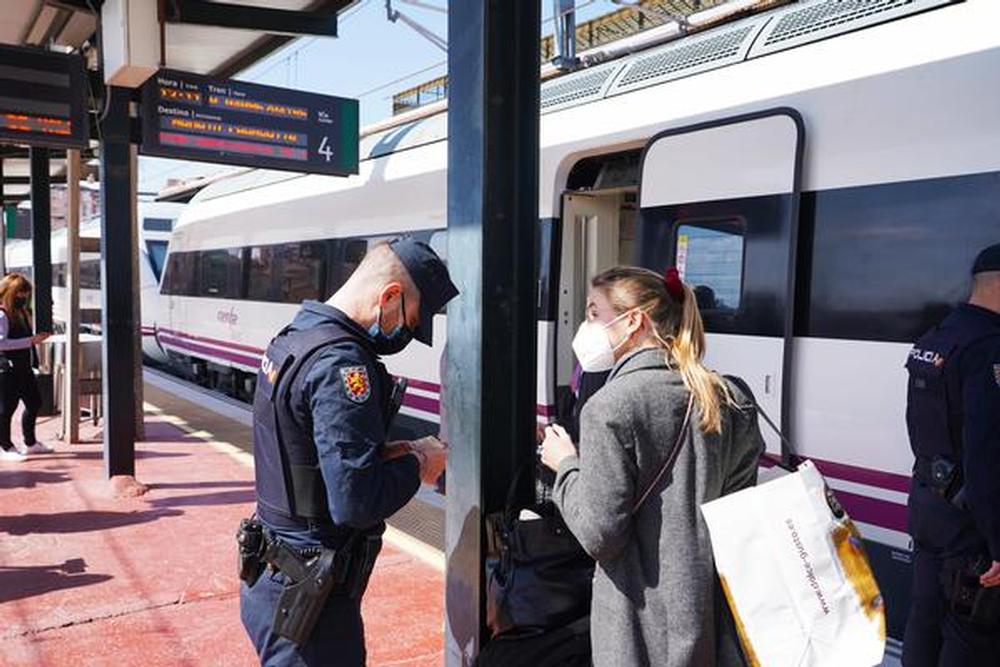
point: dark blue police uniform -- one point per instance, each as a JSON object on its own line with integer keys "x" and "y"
{"x": 953, "y": 418}
{"x": 322, "y": 410}
{"x": 337, "y": 399}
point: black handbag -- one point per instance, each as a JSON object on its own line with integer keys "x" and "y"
{"x": 538, "y": 575}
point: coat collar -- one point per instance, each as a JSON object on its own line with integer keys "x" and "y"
{"x": 641, "y": 359}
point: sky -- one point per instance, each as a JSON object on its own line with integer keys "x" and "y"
{"x": 370, "y": 60}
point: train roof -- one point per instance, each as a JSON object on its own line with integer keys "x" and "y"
{"x": 748, "y": 38}
{"x": 782, "y": 57}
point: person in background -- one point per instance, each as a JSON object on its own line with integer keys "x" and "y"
{"x": 17, "y": 378}
{"x": 953, "y": 419}
{"x": 656, "y": 600}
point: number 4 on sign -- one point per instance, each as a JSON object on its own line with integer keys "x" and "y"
{"x": 324, "y": 149}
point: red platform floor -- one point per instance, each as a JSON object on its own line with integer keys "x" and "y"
{"x": 88, "y": 579}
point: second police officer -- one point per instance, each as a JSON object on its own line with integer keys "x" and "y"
{"x": 326, "y": 479}
{"x": 953, "y": 418}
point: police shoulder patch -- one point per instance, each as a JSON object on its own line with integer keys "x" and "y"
{"x": 996, "y": 373}
{"x": 356, "y": 383}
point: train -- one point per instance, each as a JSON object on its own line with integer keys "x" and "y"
{"x": 154, "y": 224}
{"x": 824, "y": 172}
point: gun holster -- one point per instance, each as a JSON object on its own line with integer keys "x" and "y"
{"x": 312, "y": 574}
{"x": 967, "y": 599}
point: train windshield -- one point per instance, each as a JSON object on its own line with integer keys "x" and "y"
{"x": 157, "y": 256}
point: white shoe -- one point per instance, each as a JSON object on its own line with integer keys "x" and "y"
{"x": 12, "y": 456}
{"x": 37, "y": 448}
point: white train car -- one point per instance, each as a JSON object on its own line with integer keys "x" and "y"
{"x": 825, "y": 172}
{"x": 156, "y": 221}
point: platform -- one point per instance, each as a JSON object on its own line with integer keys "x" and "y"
{"x": 89, "y": 579}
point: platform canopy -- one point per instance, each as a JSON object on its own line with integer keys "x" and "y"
{"x": 202, "y": 36}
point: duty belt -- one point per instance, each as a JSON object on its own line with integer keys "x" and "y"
{"x": 313, "y": 573}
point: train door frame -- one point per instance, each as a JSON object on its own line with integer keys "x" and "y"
{"x": 749, "y": 173}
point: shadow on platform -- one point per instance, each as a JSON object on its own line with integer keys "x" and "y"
{"x": 245, "y": 495}
{"x": 29, "y": 479}
{"x": 17, "y": 583}
{"x": 79, "y": 522}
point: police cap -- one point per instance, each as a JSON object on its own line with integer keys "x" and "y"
{"x": 430, "y": 276}
{"x": 988, "y": 260}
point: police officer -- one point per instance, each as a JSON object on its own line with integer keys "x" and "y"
{"x": 325, "y": 477}
{"x": 953, "y": 418}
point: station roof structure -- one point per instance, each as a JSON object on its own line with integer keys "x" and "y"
{"x": 201, "y": 36}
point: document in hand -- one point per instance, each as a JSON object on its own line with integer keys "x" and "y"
{"x": 796, "y": 575}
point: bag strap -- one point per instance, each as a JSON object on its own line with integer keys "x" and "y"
{"x": 745, "y": 388}
{"x": 671, "y": 458}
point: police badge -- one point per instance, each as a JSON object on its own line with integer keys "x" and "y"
{"x": 356, "y": 383}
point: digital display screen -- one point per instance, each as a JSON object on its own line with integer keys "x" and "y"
{"x": 43, "y": 98}
{"x": 192, "y": 117}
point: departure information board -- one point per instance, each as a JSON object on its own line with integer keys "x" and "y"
{"x": 43, "y": 98}
{"x": 193, "y": 117}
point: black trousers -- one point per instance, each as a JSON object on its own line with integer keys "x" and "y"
{"x": 18, "y": 385}
{"x": 934, "y": 636}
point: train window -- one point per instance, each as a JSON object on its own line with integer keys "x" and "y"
{"x": 547, "y": 303}
{"x": 157, "y": 224}
{"x": 90, "y": 274}
{"x": 302, "y": 271}
{"x": 157, "y": 256}
{"x": 181, "y": 273}
{"x": 59, "y": 275}
{"x": 868, "y": 275}
{"x": 221, "y": 273}
{"x": 709, "y": 256}
{"x": 263, "y": 273}
{"x": 26, "y": 271}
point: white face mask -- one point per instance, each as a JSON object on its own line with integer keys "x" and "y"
{"x": 592, "y": 346}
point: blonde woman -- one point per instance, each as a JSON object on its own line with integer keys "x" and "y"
{"x": 632, "y": 506}
{"x": 17, "y": 379}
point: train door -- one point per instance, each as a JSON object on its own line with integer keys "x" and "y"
{"x": 597, "y": 232}
{"x": 720, "y": 202}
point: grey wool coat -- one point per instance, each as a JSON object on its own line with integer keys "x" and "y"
{"x": 656, "y": 598}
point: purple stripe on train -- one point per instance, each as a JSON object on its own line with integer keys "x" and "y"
{"x": 242, "y": 359}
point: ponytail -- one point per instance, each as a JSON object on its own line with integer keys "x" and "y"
{"x": 687, "y": 348}
{"x": 677, "y": 325}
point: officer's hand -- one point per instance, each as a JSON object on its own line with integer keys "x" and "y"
{"x": 395, "y": 449}
{"x": 432, "y": 455}
{"x": 991, "y": 577}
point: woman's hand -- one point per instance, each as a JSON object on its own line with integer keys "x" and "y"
{"x": 556, "y": 446}
{"x": 40, "y": 338}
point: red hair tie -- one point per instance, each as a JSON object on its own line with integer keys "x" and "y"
{"x": 674, "y": 284}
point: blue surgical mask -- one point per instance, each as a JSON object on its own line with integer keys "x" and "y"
{"x": 395, "y": 340}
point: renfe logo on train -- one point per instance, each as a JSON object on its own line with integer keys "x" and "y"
{"x": 191, "y": 117}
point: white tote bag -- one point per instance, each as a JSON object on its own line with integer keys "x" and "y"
{"x": 796, "y": 575}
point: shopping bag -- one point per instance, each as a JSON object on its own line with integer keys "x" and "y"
{"x": 795, "y": 574}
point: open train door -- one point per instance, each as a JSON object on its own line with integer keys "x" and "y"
{"x": 720, "y": 201}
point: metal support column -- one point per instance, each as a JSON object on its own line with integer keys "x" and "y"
{"x": 71, "y": 372}
{"x": 117, "y": 313}
{"x": 41, "y": 258}
{"x": 490, "y": 380}
{"x": 137, "y": 382}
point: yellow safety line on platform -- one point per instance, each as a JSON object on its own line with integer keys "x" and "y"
{"x": 416, "y": 548}
{"x": 397, "y": 538}
{"x": 246, "y": 458}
